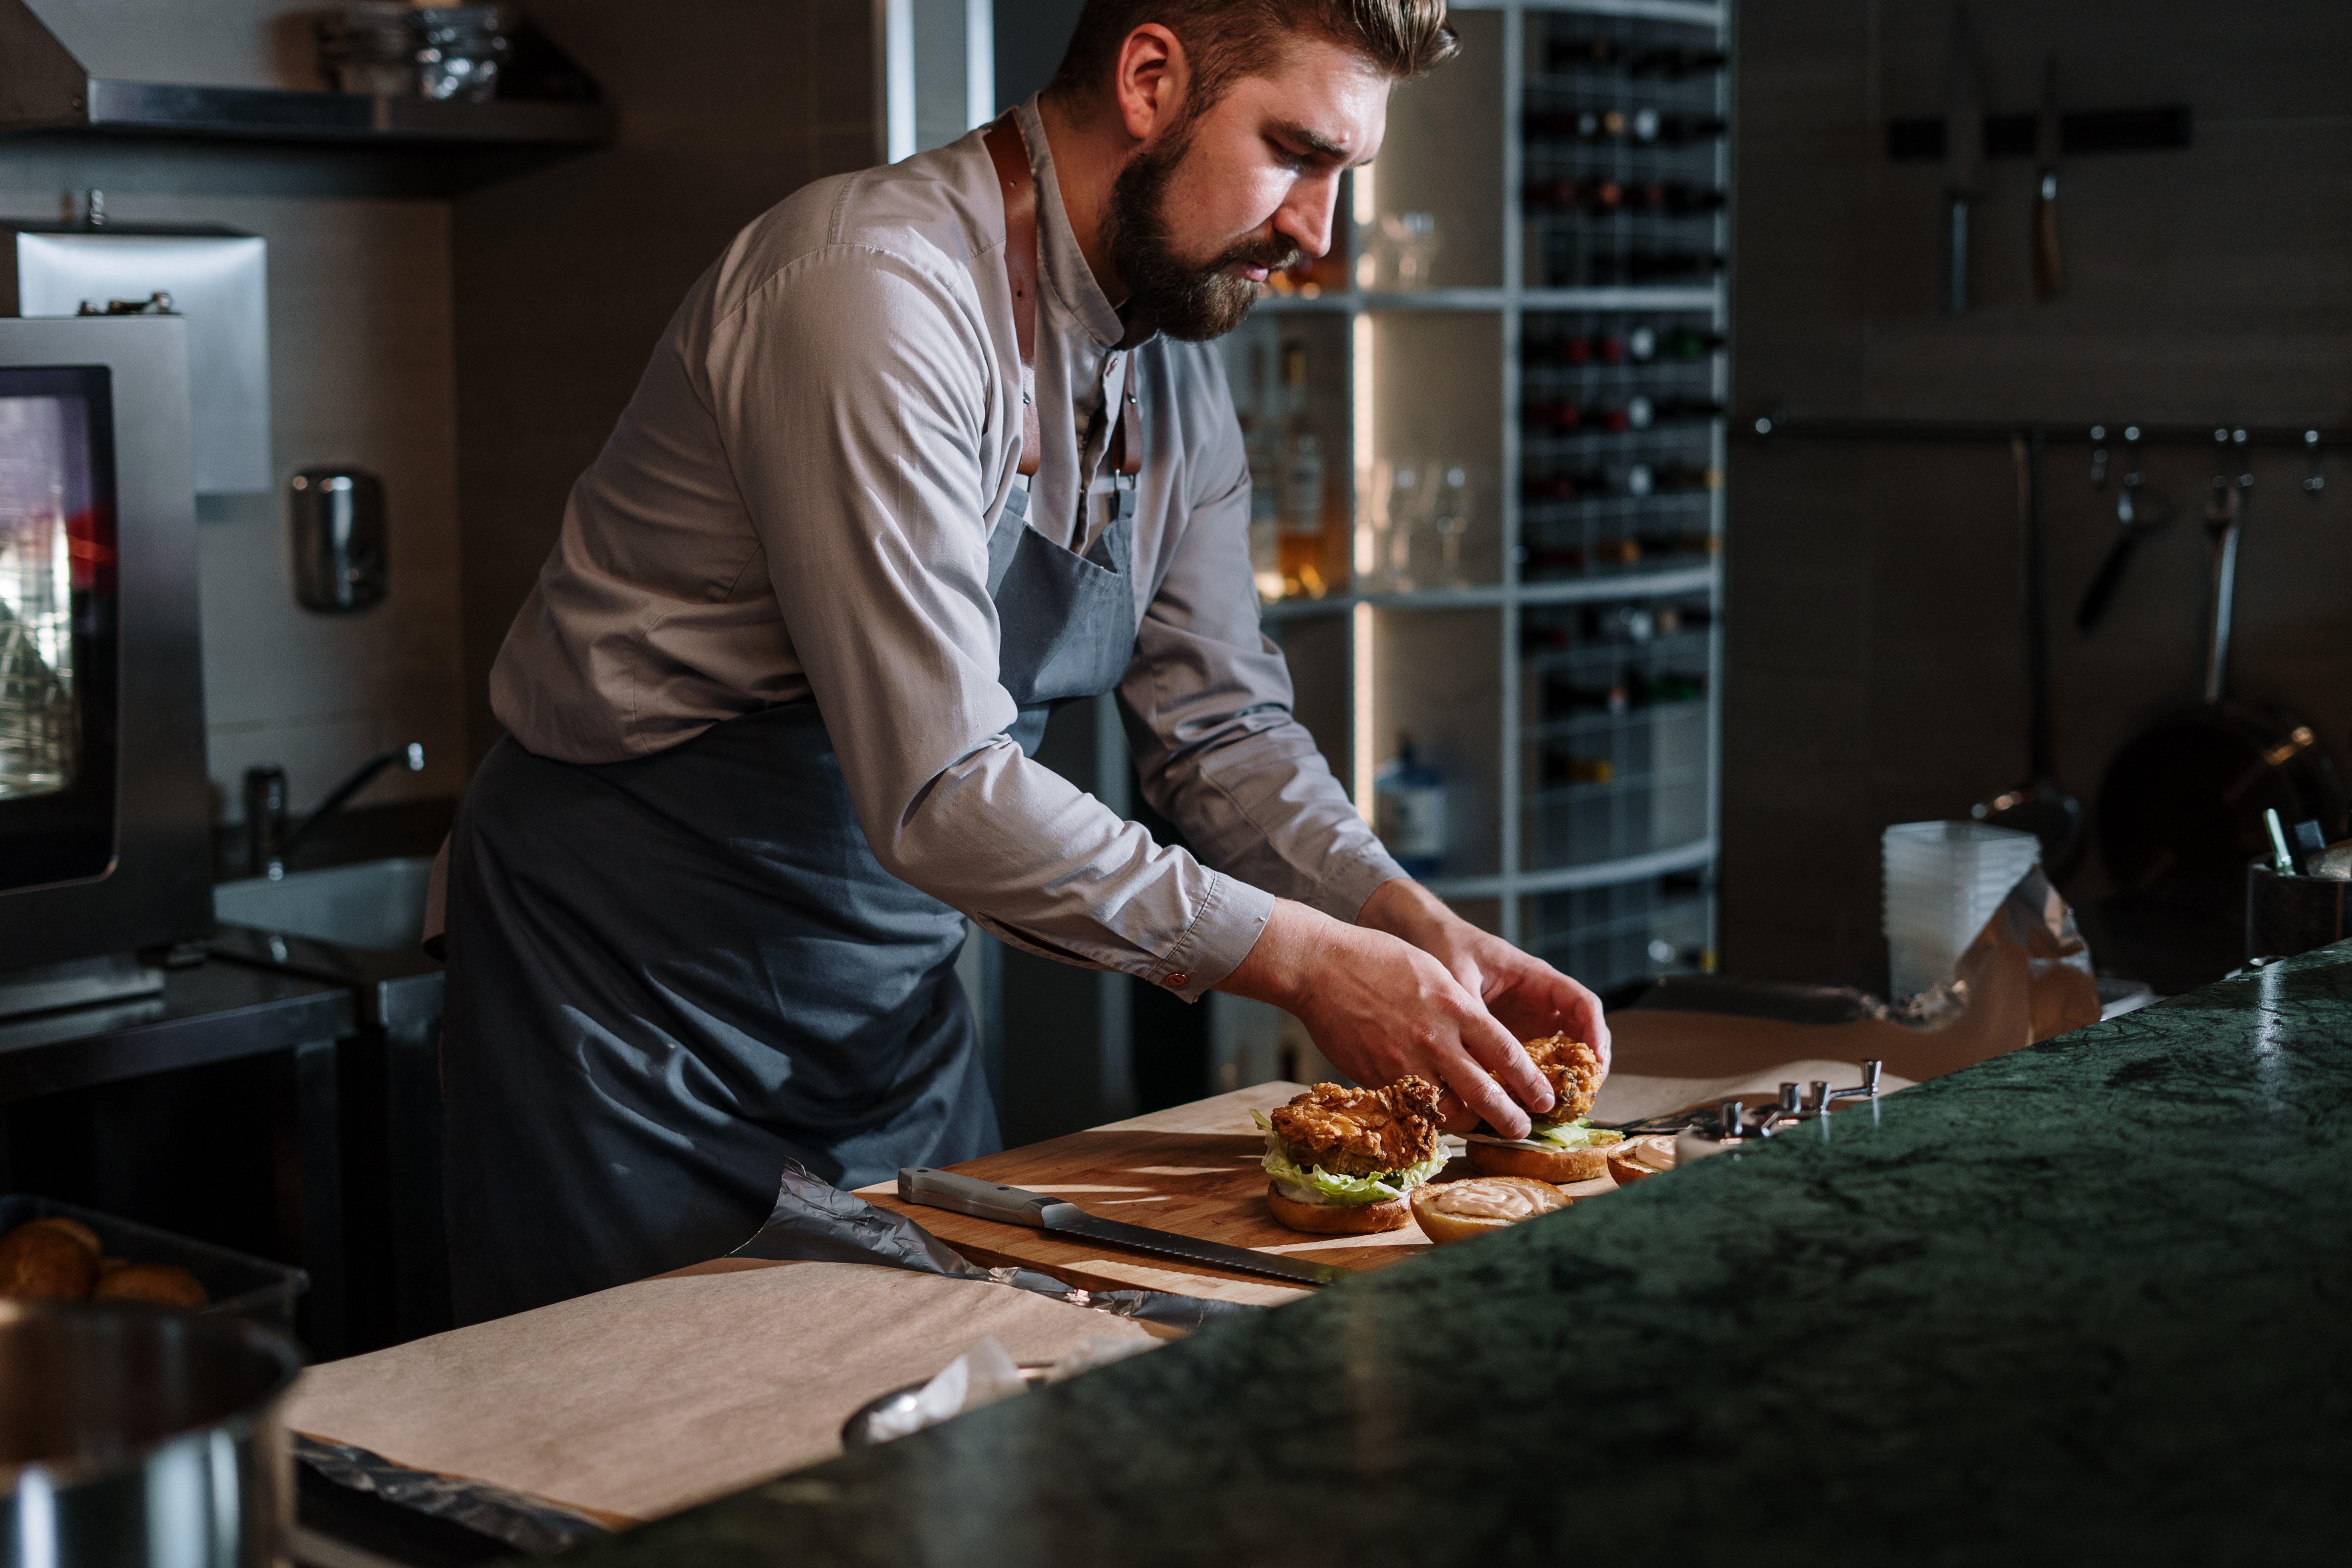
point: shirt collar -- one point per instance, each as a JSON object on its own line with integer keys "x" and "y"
{"x": 1058, "y": 255}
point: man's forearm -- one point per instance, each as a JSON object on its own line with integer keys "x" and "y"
{"x": 1402, "y": 908}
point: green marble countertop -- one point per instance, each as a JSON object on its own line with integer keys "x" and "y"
{"x": 2090, "y": 1301}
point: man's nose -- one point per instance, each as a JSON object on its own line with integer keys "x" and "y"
{"x": 1304, "y": 218}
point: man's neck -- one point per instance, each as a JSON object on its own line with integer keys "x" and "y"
{"x": 1087, "y": 158}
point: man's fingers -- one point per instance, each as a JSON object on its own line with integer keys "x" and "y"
{"x": 1484, "y": 1098}
{"x": 1495, "y": 1049}
{"x": 1454, "y": 1115}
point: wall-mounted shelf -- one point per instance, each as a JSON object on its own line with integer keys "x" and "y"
{"x": 47, "y": 90}
{"x": 267, "y": 114}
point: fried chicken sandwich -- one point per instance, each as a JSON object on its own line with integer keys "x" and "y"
{"x": 1562, "y": 1145}
{"x": 1342, "y": 1161}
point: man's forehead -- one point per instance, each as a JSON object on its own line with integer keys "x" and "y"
{"x": 1324, "y": 100}
{"x": 1314, "y": 140}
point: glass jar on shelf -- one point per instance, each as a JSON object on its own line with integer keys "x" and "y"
{"x": 459, "y": 51}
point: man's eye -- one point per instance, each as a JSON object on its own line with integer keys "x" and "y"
{"x": 1290, "y": 160}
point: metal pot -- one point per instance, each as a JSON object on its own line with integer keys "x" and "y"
{"x": 131, "y": 1435}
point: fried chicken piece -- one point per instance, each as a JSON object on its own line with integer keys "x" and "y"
{"x": 1361, "y": 1131}
{"x": 1573, "y": 1070}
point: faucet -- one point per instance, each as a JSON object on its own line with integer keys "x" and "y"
{"x": 268, "y": 845}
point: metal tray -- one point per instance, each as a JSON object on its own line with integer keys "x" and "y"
{"x": 241, "y": 1285}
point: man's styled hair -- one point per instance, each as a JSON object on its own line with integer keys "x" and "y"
{"x": 1226, "y": 40}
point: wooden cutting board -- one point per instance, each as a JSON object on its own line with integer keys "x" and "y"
{"x": 1192, "y": 1170}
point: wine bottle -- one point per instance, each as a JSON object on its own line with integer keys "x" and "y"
{"x": 1675, "y": 64}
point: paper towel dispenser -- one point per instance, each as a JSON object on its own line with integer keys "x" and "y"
{"x": 216, "y": 277}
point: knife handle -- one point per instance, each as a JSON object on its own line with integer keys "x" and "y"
{"x": 968, "y": 1194}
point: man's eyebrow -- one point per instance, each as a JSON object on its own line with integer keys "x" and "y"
{"x": 1311, "y": 139}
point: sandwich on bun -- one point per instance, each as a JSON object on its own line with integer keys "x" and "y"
{"x": 1456, "y": 1211}
{"x": 1342, "y": 1161}
{"x": 1561, "y": 1145}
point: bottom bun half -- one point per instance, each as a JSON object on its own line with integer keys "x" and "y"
{"x": 1557, "y": 1166}
{"x": 1337, "y": 1219}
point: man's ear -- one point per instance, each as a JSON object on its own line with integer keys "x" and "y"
{"x": 1150, "y": 81}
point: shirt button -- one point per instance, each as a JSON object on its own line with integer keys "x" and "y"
{"x": 1177, "y": 982}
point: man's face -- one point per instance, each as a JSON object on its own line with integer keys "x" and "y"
{"x": 1204, "y": 213}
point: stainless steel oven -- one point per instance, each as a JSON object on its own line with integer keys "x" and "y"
{"x": 104, "y": 807}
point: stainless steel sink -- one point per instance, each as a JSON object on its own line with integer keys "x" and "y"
{"x": 376, "y": 905}
{"x": 358, "y": 923}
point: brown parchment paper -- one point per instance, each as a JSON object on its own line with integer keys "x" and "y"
{"x": 642, "y": 1400}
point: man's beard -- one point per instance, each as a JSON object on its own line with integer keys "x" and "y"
{"x": 1191, "y": 302}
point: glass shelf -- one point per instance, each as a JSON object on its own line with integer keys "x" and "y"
{"x": 1587, "y": 834}
{"x": 1351, "y": 301}
{"x": 1657, "y": 584}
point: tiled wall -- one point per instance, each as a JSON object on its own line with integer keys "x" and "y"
{"x": 361, "y": 372}
{"x": 565, "y": 277}
{"x": 493, "y": 336}
{"x": 1875, "y": 664}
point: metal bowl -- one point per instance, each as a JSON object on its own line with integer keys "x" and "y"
{"x": 132, "y": 1435}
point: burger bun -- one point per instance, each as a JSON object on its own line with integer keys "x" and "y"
{"x": 1456, "y": 1211}
{"x": 1337, "y": 1219}
{"x": 165, "y": 1283}
{"x": 1556, "y": 1165}
{"x": 1638, "y": 1157}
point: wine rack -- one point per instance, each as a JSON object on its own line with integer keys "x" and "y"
{"x": 1532, "y": 313}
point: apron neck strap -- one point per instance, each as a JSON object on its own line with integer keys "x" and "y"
{"x": 1019, "y": 188}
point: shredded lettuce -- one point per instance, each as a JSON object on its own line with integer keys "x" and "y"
{"x": 1569, "y": 1136}
{"x": 1335, "y": 1188}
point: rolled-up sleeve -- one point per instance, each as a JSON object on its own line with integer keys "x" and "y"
{"x": 1207, "y": 705}
{"x": 877, "y": 544}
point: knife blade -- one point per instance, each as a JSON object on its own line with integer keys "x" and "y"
{"x": 1042, "y": 1211}
{"x": 1964, "y": 172}
{"x": 2049, "y": 134}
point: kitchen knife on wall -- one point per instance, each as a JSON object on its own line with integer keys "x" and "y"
{"x": 1041, "y": 1211}
{"x": 1964, "y": 162}
{"x": 2049, "y": 261}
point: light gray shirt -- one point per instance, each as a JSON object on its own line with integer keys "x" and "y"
{"x": 797, "y": 503}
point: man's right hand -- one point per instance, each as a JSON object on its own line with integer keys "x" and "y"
{"x": 1379, "y": 1008}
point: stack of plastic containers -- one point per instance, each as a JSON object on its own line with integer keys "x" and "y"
{"x": 1944, "y": 881}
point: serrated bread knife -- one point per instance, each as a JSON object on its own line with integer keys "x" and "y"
{"x": 1041, "y": 1211}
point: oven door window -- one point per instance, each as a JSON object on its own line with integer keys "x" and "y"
{"x": 57, "y": 627}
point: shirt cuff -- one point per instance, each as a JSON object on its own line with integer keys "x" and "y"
{"x": 1341, "y": 891}
{"x": 1232, "y": 917}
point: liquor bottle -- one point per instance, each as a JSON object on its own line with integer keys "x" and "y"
{"x": 1305, "y": 569}
{"x": 1260, "y": 439}
{"x": 1409, "y": 811}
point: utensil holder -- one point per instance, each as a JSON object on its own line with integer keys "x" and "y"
{"x": 2287, "y": 915}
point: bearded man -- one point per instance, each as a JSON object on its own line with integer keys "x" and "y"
{"x": 930, "y": 451}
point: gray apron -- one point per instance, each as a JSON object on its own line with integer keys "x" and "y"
{"x": 669, "y": 975}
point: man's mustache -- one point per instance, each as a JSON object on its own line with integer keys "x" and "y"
{"x": 1273, "y": 255}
